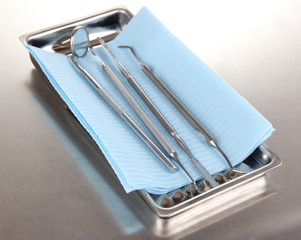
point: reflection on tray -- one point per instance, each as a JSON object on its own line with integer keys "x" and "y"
{"x": 131, "y": 210}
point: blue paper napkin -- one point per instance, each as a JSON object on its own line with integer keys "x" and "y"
{"x": 236, "y": 125}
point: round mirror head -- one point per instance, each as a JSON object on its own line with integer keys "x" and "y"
{"x": 79, "y": 41}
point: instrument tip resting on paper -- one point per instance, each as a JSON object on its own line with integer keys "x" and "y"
{"x": 129, "y": 47}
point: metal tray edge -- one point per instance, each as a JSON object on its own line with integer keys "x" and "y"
{"x": 215, "y": 192}
{"x": 24, "y": 37}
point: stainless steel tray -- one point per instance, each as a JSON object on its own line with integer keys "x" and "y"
{"x": 257, "y": 164}
{"x": 210, "y": 201}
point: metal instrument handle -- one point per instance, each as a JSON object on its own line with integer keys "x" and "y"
{"x": 140, "y": 112}
{"x": 192, "y": 120}
{"x": 155, "y": 149}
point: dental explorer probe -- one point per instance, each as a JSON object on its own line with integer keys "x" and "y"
{"x": 122, "y": 114}
{"x": 138, "y": 109}
{"x": 191, "y": 119}
{"x": 160, "y": 116}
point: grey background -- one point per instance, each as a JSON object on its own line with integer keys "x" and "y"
{"x": 53, "y": 182}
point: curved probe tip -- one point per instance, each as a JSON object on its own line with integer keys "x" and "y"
{"x": 126, "y": 46}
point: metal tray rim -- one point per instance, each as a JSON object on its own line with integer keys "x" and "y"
{"x": 24, "y": 37}
{"x": 215, "y": 192}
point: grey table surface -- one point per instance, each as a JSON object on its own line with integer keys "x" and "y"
{"x": 54, "y": 183}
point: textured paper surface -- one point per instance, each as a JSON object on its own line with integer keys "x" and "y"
{"x": 235, "y": 124}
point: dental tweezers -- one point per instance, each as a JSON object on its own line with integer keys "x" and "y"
{"x": 143, "y": 116}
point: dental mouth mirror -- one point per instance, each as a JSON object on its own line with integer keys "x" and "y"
{"x": 185, "y": 112}
{"x": 79, "y": 47}
{"x": 79, "y": 42}
{"x": 160, "y": 116}
{"x": 136, "y": 107}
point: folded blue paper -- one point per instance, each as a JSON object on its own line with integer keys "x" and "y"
{"x": 236, "y": 125}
